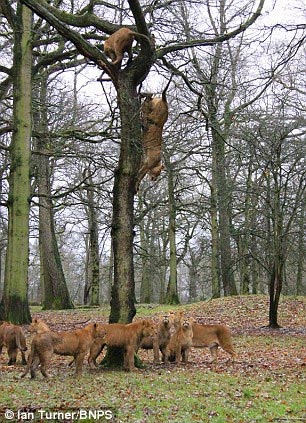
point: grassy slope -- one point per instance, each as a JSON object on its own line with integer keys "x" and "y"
{"x": 266, "y": 384}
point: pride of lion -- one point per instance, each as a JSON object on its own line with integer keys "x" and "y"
{"x": 171, "y": 337}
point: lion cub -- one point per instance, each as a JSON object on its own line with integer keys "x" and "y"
{"x": 12, "y": 337}
{"x": 181, "y": 341}
{"x": 161, "y": 340}
{"x": 45, "y": 343}
{"x": 213, "y": 336}
{"x": 126, "y": 336}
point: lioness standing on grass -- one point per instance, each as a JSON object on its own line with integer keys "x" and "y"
{"x": 181, "y": 340}
{"x": 12, "y": 337}
{"x": 75, "y": 343}
{"x": 213, "y": 336}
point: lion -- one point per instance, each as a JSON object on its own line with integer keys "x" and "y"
{"x": 176, "y": 317}
{"x": 75, "y": 343}
{"x": 13, "y": 338}
{"x": 38, "y": 326}
{"x": 120, "y": 42}
{"x": 154, "y": 112}
{"x": 126, "y": 336}
{"x": 161, "y": 340}
{"x": 213, "y": 336}
{"x": 181, "y": 341}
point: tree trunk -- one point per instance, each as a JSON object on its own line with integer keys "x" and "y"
{"x": 14, "y": 306}
{"x": 172, "y": 295}
{"x": 163, "y": 242}
{"x": 300, "y": 290}
{"x": 223, "y": 196}
{"x": 215, "y": 265}
{"x": 92, "y": 286}
{"x": 55, "y": 292}
{"x": 193, "y": 276}
{"x": 146, "y": 276}
{"x": 122, "y": 301}
{"x": 275, "y": 288}
{"x": 276, "y": 279}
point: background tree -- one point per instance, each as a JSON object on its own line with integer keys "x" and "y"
{"x": 14, "y": 305}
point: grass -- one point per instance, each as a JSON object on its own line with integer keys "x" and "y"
{"x": 267, "y": 384}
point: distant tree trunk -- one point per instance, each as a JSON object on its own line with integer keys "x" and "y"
{"x": 110, "y": 278}
{"x": 146, "y": 276}
{"x": 14, "y": 305}
{"x": 55, "y": 292}
{"x": 193, "y": 277}
{"x": 244, "y": 239}
{"x": 92, "y": 285}
{"x": 300, "y": 290}
{"x": 215, "y": 266}
{"x": 223, "y": 196}
{"x": 163, "y": 242}
{"x": 255, "y": 266}
{"x": 172, "y": 294}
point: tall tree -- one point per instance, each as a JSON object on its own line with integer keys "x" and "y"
{"x": 55, "y": 292}
{"x": 172, "y": 293}
{"x": 14, "y": 305}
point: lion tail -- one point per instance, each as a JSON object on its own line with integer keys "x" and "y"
{"x": 20, "y": 341}
{"x": 30, "y": 361}
{"x": 166, "y": 88}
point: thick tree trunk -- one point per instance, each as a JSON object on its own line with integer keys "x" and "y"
{"x": 55, "y": 292}
{"x": 123, "y": 289}
{"x": 276, "y": 282}
{"x": 14, "y": 306}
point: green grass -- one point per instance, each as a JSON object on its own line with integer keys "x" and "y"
{"x": 167, "y": 395}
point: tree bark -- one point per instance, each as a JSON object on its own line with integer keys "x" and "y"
{"x": 14, "y": 305}
{"x": 122, "y": 301}
{"x": 55, "y": 292}
{"x": 300, "y": 290}
{"x": 172, "y": 294}
{"x": 92, "y": 285}
{"x": 215, "y": 263}
{"x": 223, "y": 196}
{"x": 146, "y": 276}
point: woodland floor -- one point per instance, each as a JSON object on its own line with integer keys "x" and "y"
{"x": 267, "y": 383}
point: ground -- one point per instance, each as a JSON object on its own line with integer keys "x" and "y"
{"x": 266, "y": 384}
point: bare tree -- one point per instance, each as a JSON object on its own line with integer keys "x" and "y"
{"x": 14, "y": 305}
